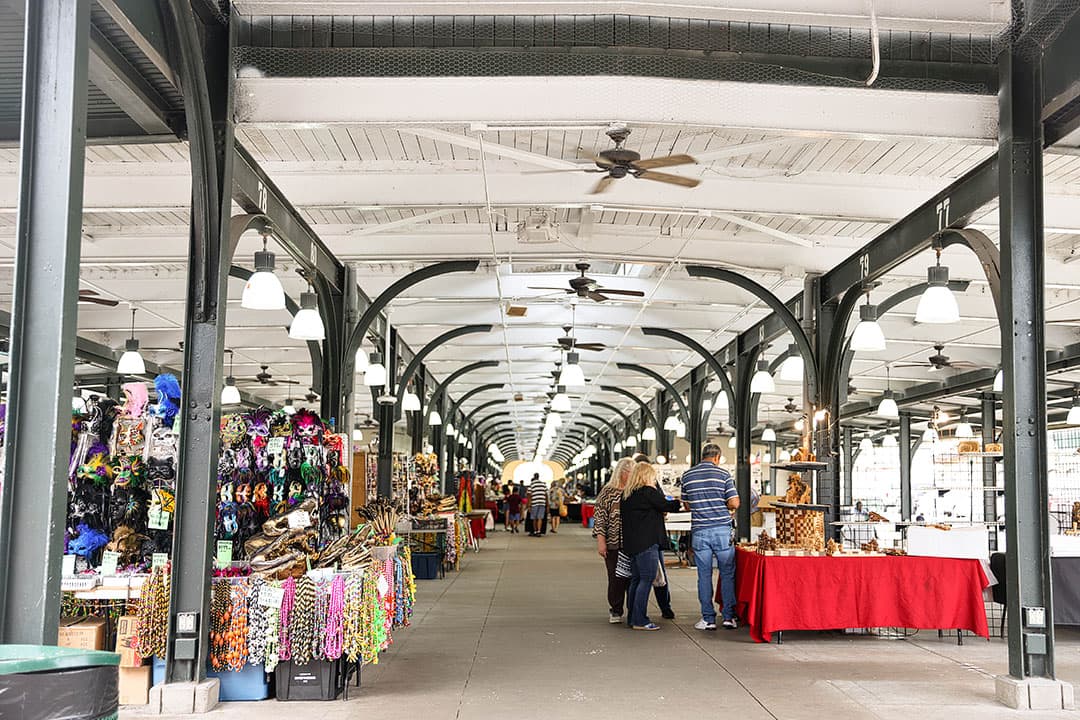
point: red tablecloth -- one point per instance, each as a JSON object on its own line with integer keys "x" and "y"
{"x": 586, "y": 514}
{"x": 478, "y": 530}
{"x": 828, "y": 593}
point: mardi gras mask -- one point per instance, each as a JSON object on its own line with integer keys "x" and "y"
{"x": 233, "y": 429}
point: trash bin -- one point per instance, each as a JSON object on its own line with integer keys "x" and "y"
{"x": 42, "y": 683}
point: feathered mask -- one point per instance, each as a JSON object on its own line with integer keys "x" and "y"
{"x": 168, "y": 404}
{"x": 136, "y": 397}
{"x": 96, "y": 469}
{"x": 306, "y": 425}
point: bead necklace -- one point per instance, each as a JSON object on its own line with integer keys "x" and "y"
{"x": 220, "y": 618}
{"x": 236, "y": 635}
{"x": 322, "y": 610}
{"x": 270, "y": 652}
{"x": 256, "y": 623}
{"x": 284, "y": 634}
{"x": 335, "y": 619}
{"x": 153, "y": 623}
{"x": 302, "y": 621}
{"x": 352, "y": 639}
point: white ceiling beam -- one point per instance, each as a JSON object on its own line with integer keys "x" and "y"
{"x": 763, "y": 229}
{"x": 491, "y": 148}
{"x": 365, "y": 230}
{"x": 740, "y": 150}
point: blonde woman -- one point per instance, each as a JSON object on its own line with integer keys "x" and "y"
{"x": 607, "y": 529}
{"x": 642, "y": 508}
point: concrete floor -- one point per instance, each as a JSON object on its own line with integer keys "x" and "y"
{"x": 521, "y": 631}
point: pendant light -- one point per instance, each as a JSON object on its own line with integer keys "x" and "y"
{"x": 434, "y": 418}
{"x": 768, "y": 434}
{"x": 357, "y": 435}
{"x": 230, "y": 394}
{"x": 361, "y": 362}
{"x": 791, "y": 370}
{"x": 131, "y": 362}
{"x": 648, "y": 434}
{"x": 889, "y": 441}
{"x": 561, "y": 402}
{"x": 1073, "y": 418}
{"x": 572, "y": 375}
{"x": 680, "y": 430}
{"x": 410, "y": 401}
{"x": 800, "y": 423}
{"x": 706, "y": 405}
{"x": 866, "y": 445}
{"x": 289, "y": 408}
{"x": 450, "y": 431}
{"x": 930, "y": 435}
{"x": 963, "y": 428}
{"x": 937, "y": 304}
{"x": 554, "y": 419}
{"x": 887, "y": 408}
{"x": 732, "y": 442}
{"x": 671, "y": 423}
{"x": 631, "y": 440}
{"x": 722, "y": 402}
{"x": 661, "y": 460}
{"x": 762, "y": 381}
{"x": 868, "y": 336}
{"x": 999, "y": 381}
{"x": 263, "y": 290}
{"x": 307, "y": 324}
{"x": 618, "y": 447}
{"x": 375, "y": 374}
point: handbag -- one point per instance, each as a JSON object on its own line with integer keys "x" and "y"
{"x": 661, "y": 578}
{"x": 563, "y": 512}
{"x": 622, "y": 566}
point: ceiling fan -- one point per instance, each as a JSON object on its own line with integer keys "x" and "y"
{"x": 791, "y": 406}
{"x": 586, "y": 287}
{"x": 618, "y": 162}
{"x": 90, "y": 296}
{"x": 939, "y": 361}
{"x": 263, "y": 377}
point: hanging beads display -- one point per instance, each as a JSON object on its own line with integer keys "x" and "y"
{"x": 153, "y": 615}
{"x": 302, "y": 621}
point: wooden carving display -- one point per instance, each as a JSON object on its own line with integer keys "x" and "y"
{"x": 798, "y": 492}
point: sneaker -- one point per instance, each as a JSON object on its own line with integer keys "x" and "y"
{"x": 614, "y": 619}
{"x": 668, "y": 614}
{"x": 651, "y": 627}
{"x": 704, "y": 624}
{"x": 730, "y": 624}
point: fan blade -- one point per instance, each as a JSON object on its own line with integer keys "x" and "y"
{"x": 614, "y": 291}
{"x": 912, "y": 365}
{"x": 562, "y": 289}
{"x": 965, "y": 364}
{"x": 1067, "y": 320}
{"x": 668, "y": 178}
{"x": 595, "y": 347}
{"x": 590, "y": 168}
{"x": 99, "y": 301}
{"x": 667, "y": 161}
{"x": 596, "y": 296}
{"x": 604, "y": 184}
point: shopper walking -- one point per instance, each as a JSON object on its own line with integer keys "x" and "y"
{"x": 642, "y": 508}
{"x": 607, "y": 529}
{"x": 708, "y": 491}
{"x": 556, "y": 498}
{"x": 538, "y": 492}
{"x": 662, "y": 592}
{"x": 513, "y": 508}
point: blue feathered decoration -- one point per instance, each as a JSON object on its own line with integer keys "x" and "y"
{"x": 88, "y": 542}
{"x": 168, "y": 404}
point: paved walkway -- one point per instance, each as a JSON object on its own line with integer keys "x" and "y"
{"x": 521, "y": 632}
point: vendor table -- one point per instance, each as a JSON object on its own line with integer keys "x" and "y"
{"x": 573, "y": 512}
{"x": 478, "y": 522}
{"x": 587, "y": 512}
{"x": 777, "y": 593}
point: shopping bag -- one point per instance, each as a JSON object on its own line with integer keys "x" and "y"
{"x": 661, "y": 579}
{"x": 622, "y": 566}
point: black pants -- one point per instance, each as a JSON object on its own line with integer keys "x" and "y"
{"x": 617, "y": 587}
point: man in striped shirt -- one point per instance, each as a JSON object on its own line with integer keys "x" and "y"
{"x": 710, "y": 495}
{"x": 538, "y": 493}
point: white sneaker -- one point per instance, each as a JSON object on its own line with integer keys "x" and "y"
{"x": 703, "y": 624}
{"x": 614, "y": 619}
{"x": 731, "y": 624}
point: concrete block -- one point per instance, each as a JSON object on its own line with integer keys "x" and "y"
{"x": 178, "y": 698}
{"x": 154, "y": 707}
{"x": 207, "y": 694}
{"x": 1033, "y": 693}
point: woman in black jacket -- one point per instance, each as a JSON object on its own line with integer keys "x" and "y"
{"x": 643, "y": 507}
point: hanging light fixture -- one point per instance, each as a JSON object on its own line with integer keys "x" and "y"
{"x": 999, "y": 381}
{"x": 618, "y": 447}
{"x": 963, "y": 428}
{"x": 648, "y": 434}
{"x": 888, "y": 441}
{"x": 732, "y": 442}
{"x": 434, "y": 418}
{"x": 572, "y": 375}
{"x": 230, "y": 394}
{"x": 131, "y": 362}
{"x": 762, "y": 381}
{"x": 375, "y": 374}
{"x": 671, "y": 423}
{"x": 554, "y": 419}
{"x": 937, "y": 304}
{"x": 263, "y": 290}
{"x": 722, "y": 402}
{"x": 868, "y": 336}
{"x": 561, "y": 402}
{"x": 887, "y": 408}
{"x": 357, "y": 435}
{"x": 791, "y": 370}
{"x": 680, "y": 430}
{"x": 450, "y": 431}
{"x": 307, "y": 324}
{"x": 784, "y": 456}
{"x": 631, "y": 440}
{"x": 661, "y": 460}
{"x": 930, "y": 434}
{"x": 1073, "y": 418}
{"x": 706, "y": 405}
{"x": 866, "y": 444}
{"x": 800, "y": 424}
{"x": 768, "y": 434}
{"x": 410, "y": 401}
{"x": 289, "y": 408}
{"x": 361, "y": 362}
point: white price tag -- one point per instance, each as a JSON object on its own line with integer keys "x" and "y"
{"x": 384, "y": 587}
{"x": 299, "y": 520}
{"x": 109, "y": 561}
{"x": 271, "y": 596}
{"x": 67, "y": 566}
{"x": 275, "y": 445}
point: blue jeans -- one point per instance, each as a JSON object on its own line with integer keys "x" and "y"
{"x": 713, "y": 544}
{"x": 643, "y": 571}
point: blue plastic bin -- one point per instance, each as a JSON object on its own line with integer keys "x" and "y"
{"x": 425, "y": 566}
{"x": 248, "y": 684}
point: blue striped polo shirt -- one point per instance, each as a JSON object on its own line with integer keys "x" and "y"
{"x": 707, "y": 488}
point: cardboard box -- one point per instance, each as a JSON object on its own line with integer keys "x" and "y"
{"x": 126, "y": 630}
{"x": 83, "y": 633}
{"x": 134, "y": 685}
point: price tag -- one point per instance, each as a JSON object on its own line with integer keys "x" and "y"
{"x": 224, "y": 553}
{"x": 67, "y": 566}
{"x": 158, "y": 519}
{"x": 384, "y": 587}
{"x": 275, "y": 445}
{"x": 299, "y": 520}
{"x": 109, "y": 561}
{"x": 271, "y": 596}
{"x": 159, "y": 560}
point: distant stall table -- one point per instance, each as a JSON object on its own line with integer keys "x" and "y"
{"x": 587, "y": 510}
{"x": 777, "y": 593}
{"x": 573, "y": 512}
{"x": 481, "y": 521}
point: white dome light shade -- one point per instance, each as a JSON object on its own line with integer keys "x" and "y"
{"x": 887, "y": 408}
{"x": 434, "y": 418}
{"x": 930, "y": 435}
{"x": 784, "y": 456}
{"x": 868, "y": 336}
{"x": 230, "y": 394}
{"x": 375, "y": 374}
{"x": 671, "y": 422}
{"x": 999, "y": 381}
{"x": 800, "y": 424}
{"x": 938, "y": 304}
{"x": 631, "y": 440}
{"x": 648, "y": 434}
{"x": 289, "y": 408}
{"x": 263, "y": 290}
{"x": 131, "y": 362}
{"x": 768, "y": 434}
{"x": 661, "y": 460}
{"x": 361, "y": 361}
{"x": 450, "y": 431}
{"x": 722, "y": 402}
{"x": 888, "y": 441}
{"x": 680, "y": 430}
{"x": 791, "y": 370}
{"x": 554, "y": 419}
{"x": 357, "y": 435}
{"x": 732, "y": 442}
{"x": 1073, "y": 417}
{"x": 410, "y": 402}
{"x": 762, "y": 382}
{"x": 963, "y": 430}
{"x": 572, "y": 374}
{"x": 561, "y": 402}
{"x": 706, "y": 405}
{"x": 618, "y": 447}
{"x": 307, "y": 324}
{"x": 866, "y": 445}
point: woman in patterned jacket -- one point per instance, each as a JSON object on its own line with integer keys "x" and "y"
{"x": 607, "y": 529}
